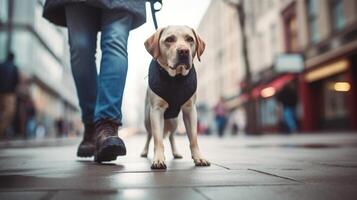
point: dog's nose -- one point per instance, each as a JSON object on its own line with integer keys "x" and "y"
{"x": 183, "y": 52}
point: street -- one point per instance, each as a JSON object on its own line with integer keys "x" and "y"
{"x": 310, "y": 166}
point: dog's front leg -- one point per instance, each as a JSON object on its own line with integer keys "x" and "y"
{"x": 157, "y": 128}
{"x": 190, "y": 120}
{"x": 145, "y": 152}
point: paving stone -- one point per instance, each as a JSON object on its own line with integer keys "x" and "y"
{"x": 23, "y": 195}
{"x": 267, "y": 163}
{"x": 291, "y": 192}
{"x": 252, "y": 167}
{"x": 322, "y": 175}
{"x": 140, "y": 180}
{"x": 132, "y": 194}
{"x": 88, "y": 167}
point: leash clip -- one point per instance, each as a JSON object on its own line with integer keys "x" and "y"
{"x": 155, "y": 6}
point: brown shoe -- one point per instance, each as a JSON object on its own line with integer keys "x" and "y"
{"x": 87, "y": 146}
{"x": 108, "y": 144}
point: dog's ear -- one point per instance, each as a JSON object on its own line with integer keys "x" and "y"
{"x": 152, "y": 43}
{"x": 200, "y": 45}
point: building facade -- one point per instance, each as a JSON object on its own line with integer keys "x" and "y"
{"x": 328, "y": 40}
{"x": 219, "y": 72}
{"x": 41, "y": 54}
{"x": 309, "y": 43}
{"x": 219, "y": 67}
{"x": 265, "y": 38}
{"x": 314, "y": 47}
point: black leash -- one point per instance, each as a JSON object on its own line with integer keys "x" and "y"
{"x": 154, "y": 10}
{"x": 153, "y": 13}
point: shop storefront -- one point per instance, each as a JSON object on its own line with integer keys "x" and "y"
{"x": 268, "y": 109}
{"x": 329, "y": 97}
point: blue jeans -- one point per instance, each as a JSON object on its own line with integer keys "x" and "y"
{"x": 221, "y": 124}
{"x": 290, "y": 119}
{"x": 100, "y": 96}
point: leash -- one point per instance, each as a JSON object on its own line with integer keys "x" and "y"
{"x": 154, "y": 10}
{"x": 153, "y": 14}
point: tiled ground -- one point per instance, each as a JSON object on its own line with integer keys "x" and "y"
{"x": 320, "y": 166}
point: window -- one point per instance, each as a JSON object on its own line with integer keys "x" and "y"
{"x": 312, "y": 8}
{"x": 273, "y": 41}
{"x": 292, "y": 35}
{"x": 268, "y": 112}
{"x": 290, "y": 29}
{"x": 3, "y": 43}
{"x": 336, "y": 13}
{"x": 3, "y": 10}
{"x": 260, "y": 46}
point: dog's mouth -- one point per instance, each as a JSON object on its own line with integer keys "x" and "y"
{"x": 185, "y": 65}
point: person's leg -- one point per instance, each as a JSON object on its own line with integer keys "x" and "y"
{"x": 83, "y": 25}
{"x": 115, "y": 27}
{"x": 220, "y": 126}
{"x": 8, "y": 111}
{"x": 2, "y": 115}
{"x": 289, "y": 119}
{"x": 82, "y": 29}
{"x": 114, "y": 65}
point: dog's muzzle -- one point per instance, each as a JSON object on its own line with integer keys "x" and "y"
{"x": 183, "y": 58}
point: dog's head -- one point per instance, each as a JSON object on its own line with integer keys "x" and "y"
{"x": 175, "y": 47}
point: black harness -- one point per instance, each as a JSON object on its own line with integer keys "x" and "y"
{"x": 174, "y": 90}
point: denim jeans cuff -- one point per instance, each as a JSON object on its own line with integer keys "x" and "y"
{"x": 113, "y": 120}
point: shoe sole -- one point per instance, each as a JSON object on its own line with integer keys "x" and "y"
{"x": 83, "y": 154}
{"x": 110, "y": 150}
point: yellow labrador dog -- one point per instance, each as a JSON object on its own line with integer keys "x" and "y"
{"x": 172, "y": 88}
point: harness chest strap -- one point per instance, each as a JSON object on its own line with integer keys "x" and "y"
{"x": 174, "y": 90}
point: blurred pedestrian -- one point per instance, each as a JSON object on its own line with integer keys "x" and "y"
{"x": 59, "y": 124}
{"x": 100, "y": 97}
{"x": 233, "y": 121}
{"x": 288, "y": 99}
{"x": 30, "y": 119}
{"x": 9, "y": 79}
{"x": 25, "y": 117}
{"x": 220, "y": 116}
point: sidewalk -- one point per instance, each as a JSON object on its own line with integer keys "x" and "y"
{"x": 322, "y": 166}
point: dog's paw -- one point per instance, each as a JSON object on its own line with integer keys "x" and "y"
{"x": 158, "y": 164}
{"x": 144, "y": 154}
{"x": 177, "y": 156}
{"x": 201, "y": 162}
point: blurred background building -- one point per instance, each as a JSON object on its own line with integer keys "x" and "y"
{"x": 42, "y": 57}
{"x": 255, "y": 49}
{"x": 328, "y": 41}
{"x": 220, "y": 70}
{"x": 308, "y": 43}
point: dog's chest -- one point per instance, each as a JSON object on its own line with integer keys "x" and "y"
{"x": 174, "y": 90}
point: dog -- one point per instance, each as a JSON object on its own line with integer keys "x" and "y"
{"x": 172, "y": 88}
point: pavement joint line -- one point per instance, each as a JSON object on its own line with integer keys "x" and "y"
{"x": 270, "y": 174}
{"x": 130, "y": 172}
{"x": 218, "y": 165}
{"x": 201, "y": 193}
{"x": 336, "y": 165}
{"x": 143, "y": 188}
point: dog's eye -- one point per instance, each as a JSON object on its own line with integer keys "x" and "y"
{"x": 189, "y": 39}
{"x": 170, "y": 39}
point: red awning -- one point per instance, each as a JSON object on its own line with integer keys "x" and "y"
{"x": 256, "y": 91}
{"x": 277, "y": 83}
{"x": 281, "y": 81}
